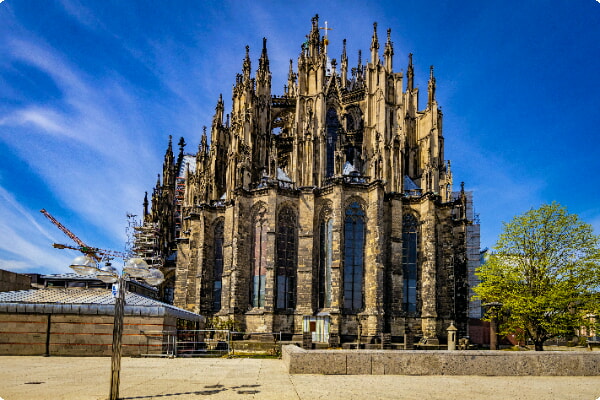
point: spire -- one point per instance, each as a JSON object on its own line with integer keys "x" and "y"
{"x": 146, "y": 204}
{"x": 291, "y": 83}
{"x": 246, "y": 65}
{"x": 410, "y": 74}
{"x": 170, "y": 146}
{"x": 359, "y": 69}
{"x": 344, "y": 64}
{"x": 389, "y": 51}
{"x": 314, "y": 38}
{"x": 431, "y": 87}
{"x": 263, "y": 61}
{"x": 263, "y": 75}
{"x": 374, "y": 46}
{"x": 204, "y": 142}
{"x": 218, "y": 118}
{"x": 181, "y": 145}
{"x": 168, "y": 154}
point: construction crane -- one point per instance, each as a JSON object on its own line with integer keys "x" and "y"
{"x": 94, "y": 252}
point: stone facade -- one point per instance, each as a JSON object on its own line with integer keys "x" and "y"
{"x": 328, "y": 208}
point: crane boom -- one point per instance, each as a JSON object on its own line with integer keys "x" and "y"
{"x": 64, "y": 229}
{"x": 94, "y": 252}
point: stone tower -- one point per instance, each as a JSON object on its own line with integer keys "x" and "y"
{"x": 327, "y": 208}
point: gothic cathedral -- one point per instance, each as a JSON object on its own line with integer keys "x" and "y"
{"x": 328, "y": 208}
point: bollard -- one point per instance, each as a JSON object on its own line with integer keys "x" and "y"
{"x": 452, "y": 337}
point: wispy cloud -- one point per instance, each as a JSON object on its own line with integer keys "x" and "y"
{"x": 22, "y": 234}
{"x": 88, "y": 147}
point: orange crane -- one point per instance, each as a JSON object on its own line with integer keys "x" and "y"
{"x": 94, "y": 252}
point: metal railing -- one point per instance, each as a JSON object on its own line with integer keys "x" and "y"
{"x": 203, "y": 342}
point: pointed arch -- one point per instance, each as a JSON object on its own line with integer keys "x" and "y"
{"x": 354, "y": 245}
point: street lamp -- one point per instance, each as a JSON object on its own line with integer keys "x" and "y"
{"x": 134, "y": 267}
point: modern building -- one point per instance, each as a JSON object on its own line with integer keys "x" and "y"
{"x": 328, "y": 207}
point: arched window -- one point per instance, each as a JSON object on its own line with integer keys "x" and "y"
{"x": 354, "y": 243}
{"x": 286, "y": 259}
{"x": 325, "y": 261}
{"x": 218, "y": 265}
{"x": 333, "y": 125}
{"x": 409, "y": 262}
{"x": 259, "y": 259}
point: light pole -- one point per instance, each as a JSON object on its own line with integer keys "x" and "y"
{"x": 134, "y": 267}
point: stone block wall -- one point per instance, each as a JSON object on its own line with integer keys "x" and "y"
{"x": 440, "y": 362}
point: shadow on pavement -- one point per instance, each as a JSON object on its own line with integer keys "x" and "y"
{"x": 209, "y": 390}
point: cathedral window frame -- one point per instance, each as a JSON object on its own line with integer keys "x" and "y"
{"x": 286, "y": 258}
{"x": 410, "y": 262}
{"x": 353, "y": 274}
{"x": 332, "y": 137}
{"x": 258, "y": 257}
{"x": 218, "y": 262}
{"x": 323, "y": 286}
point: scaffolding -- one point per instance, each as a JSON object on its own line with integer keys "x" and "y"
{"x": 473, "y": 238}
{"x": 146, "y": 244}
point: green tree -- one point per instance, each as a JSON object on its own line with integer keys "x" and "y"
{"x": 545, "y": 272}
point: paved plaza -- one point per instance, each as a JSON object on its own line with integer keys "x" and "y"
{"x": 83, "y": 378}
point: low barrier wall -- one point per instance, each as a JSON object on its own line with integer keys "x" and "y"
{"x": 440, "y": 362}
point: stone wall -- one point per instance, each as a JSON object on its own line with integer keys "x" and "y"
{"x": 435, "y": 362}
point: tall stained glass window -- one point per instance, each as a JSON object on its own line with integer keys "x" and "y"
{"x": 286, "y": 259}
{"x": 325, "y": 261}
{"x": 333, "y": 125}
{"x": 354, "y": 243}
{"x": 218, "y": 265}
{"x": 409, "y": 262}
{"x": 259, "y": 259}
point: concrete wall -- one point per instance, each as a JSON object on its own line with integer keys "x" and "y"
{"x": 79, "y": 335}
{"x": 436, "y": 362}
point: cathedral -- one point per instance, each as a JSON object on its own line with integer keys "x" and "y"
{"x": 327, "y": 208}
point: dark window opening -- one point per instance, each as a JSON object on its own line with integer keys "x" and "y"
{"x": 409, "y": 263}
{"x": 286, "y": 259}
{"x": 354, "y": 242}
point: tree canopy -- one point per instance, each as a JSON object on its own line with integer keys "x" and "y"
{"x": 545, "y": 273}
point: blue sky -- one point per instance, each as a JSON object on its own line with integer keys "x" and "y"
{"x": 91, "y": 90}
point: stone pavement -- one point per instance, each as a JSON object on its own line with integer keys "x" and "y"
{"x": 87, "y": 378}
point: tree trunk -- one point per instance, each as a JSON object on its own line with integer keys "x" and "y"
{"x": 539, "y": 345}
